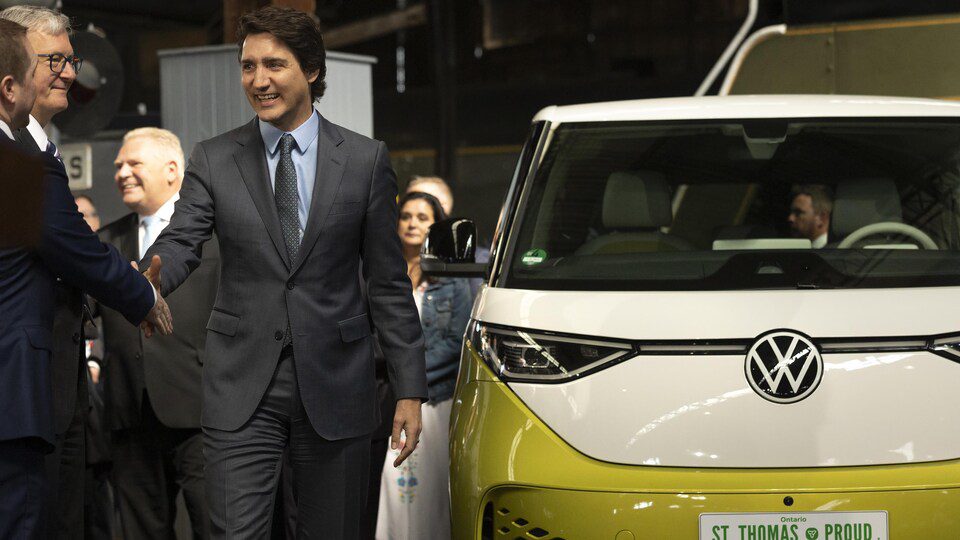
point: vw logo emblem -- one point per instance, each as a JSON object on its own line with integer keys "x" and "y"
{"x": 784, "y": 366}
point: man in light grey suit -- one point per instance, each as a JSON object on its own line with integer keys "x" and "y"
{"x": 302, "y": 209}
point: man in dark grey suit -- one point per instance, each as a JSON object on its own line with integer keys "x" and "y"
{"x": 152, "y": 387}
{"x": 300, "y": 207}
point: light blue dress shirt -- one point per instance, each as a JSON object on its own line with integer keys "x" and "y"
{"x": 304, "y": 159}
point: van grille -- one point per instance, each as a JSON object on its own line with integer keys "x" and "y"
{"x": 510, "y": 526}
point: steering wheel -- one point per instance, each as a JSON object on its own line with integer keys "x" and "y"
{"x": 888, "y": 227}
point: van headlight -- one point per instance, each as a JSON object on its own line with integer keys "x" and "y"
{"x": 517, "y": 355}
{"x": 946, "y": 346}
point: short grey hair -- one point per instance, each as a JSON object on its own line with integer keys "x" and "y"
{"x": 38, "y": 19}
{"x": 165, "y": 141}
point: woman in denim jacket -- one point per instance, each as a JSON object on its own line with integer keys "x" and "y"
{"x": 414, "y": 498}
{"x": 444, "y": 314}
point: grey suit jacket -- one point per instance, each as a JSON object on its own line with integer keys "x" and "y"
{"x": 350, "y": 235}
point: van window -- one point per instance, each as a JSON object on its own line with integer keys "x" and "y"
{"x": 837, "y": 203}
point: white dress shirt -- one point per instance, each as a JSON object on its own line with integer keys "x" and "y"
{"x": 6, "y": 129}
{"x": 38, "y": 134}
{"x": 820, "y": 241}
{"x": 150, "y": 227}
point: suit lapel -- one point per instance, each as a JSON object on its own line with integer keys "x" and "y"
{"x": 26, "y": 140}
{"x": 130, "y": 241}
{"x": 252, "y": 163}
{"x": 331, "y": 160}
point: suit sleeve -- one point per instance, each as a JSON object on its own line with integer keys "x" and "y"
{"x": 180, "y": 245}
{"x": 72, "y": 251}
{"x": 390, "y": 296}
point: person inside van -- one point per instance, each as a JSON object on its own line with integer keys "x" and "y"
{"x": 810, "y": 211}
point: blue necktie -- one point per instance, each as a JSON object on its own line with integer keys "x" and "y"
{"x": 147, "y": 235}
{"x": 54, "y": 151}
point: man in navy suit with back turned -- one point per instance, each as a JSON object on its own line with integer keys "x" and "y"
{"x": 68, "y": 250}
{"x": 48, "y": 32}
{"x": 300, "y": 206}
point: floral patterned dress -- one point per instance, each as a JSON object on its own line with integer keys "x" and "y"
{"x": 415, "y": 498}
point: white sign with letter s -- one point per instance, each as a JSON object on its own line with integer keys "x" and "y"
{"x": 78, "y": 160}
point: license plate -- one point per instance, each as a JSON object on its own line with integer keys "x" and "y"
{"x": 795, "y": 526}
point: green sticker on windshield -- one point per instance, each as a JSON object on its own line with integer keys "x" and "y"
{"x": 534, "y": 257}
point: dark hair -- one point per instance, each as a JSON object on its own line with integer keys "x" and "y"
{"x": 820, "y": 197}
{"x": 434, "y": 203}
{"x": 298, "y": 31}
{"x": 13, "y": 54}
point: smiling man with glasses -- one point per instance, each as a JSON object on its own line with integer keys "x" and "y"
{"x": 49, "y": 34}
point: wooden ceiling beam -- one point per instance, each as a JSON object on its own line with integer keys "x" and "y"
{"x": 234, "y": 9}
{"x": 374, "y": 27}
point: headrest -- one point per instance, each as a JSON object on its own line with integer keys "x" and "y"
{"x": 636, "y": 200}
{"x": 863, "y": 201}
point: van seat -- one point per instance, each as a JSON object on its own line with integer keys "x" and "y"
{"x": 864, "y": 201}
{"x": 635, "y": 206}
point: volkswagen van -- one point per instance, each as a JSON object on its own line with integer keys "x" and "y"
{"x": 657, "y": 355}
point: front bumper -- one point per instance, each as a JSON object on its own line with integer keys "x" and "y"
{"x": 512, "y": 477}
{"x": 528, "y": 512}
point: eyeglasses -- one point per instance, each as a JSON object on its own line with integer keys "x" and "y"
{"x": 58, "y": 62}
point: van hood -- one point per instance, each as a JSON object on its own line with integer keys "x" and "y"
{"x": 699, "y": 409}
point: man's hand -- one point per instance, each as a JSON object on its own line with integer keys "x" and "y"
{"x": 407, "y": 419}
{"x": 159, "y": 319}
{"x": 153, "y": 273}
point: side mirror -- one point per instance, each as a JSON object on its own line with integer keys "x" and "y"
{"x": 449, "y": 250}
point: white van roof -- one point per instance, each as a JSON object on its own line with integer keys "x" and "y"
{"x": 761, "y": 106}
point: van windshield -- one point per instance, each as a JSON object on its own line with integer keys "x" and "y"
{"x": 742, "y": 204}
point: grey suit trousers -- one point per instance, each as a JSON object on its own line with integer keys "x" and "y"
{"x": 243, "y": 466}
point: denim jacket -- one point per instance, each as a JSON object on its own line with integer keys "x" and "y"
{"x": 444, "y": 315}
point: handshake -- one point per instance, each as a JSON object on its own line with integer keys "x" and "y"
{"x": 159, "y": 318}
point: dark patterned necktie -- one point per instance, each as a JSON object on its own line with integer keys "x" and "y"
{"x": 288, "y": 198}
{"x": 288, "y": 206}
